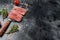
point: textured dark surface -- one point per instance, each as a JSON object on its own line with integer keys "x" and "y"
{"x": 42, "y": 21}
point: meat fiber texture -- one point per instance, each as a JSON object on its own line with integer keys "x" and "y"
{"x": 17, "y": 13}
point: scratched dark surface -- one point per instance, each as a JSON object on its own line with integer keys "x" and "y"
{"x": 42, "y": 21}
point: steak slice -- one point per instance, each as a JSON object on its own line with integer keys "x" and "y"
{"x": 20, "y": 10}
{"x": 15, "y": 16}
{"x": 17, "y": 13}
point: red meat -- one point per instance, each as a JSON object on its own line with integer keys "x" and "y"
{"x": 17, "y": 13}
{"x": 15, "y": 17}
{"x": 20, "y": 10}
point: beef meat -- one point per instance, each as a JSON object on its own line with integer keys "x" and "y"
{"x": 17, "y": 13}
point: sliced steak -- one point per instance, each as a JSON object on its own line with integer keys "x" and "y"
{"x": 15, "y": 17}
{"x": 20, "y": 10}
{"x": 17, "y": 13}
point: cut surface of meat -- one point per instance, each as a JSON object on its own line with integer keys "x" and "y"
{"x": 20, "y": 10}
{"x": 15, "y": 17}
{"x": 17, "y": 13}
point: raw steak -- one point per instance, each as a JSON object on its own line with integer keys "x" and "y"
{"x": 17, "y": 13}
{"x": 20, "y": 10}
{"x": 15, "y": 17}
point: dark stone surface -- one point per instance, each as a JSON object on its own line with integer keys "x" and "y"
{"x": 42, "y": 21}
